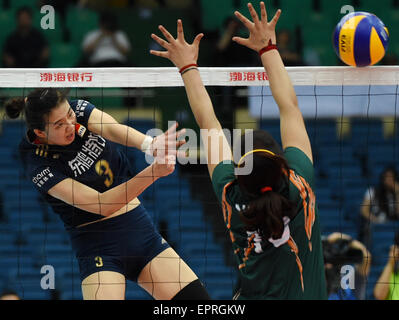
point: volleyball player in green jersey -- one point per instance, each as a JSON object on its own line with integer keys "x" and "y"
{"x": 270, "y": 213}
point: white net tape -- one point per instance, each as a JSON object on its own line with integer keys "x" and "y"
{"x": 169, "y": 77}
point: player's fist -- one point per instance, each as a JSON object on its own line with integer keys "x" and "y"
{"x": 164, "y": 166}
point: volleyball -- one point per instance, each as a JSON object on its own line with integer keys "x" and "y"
{"x": 360, "y": 39}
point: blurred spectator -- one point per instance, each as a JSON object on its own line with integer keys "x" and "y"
{"x": 339, "y": 250}
{"x": 26, "y": 47}
{"x": 108, "y": 46}
{"x": 387, "y": 287}
{"x": 380, "y": 204}
{"x": 287, "y": 50}
{"x": 390, "y": 59}
{"x": 9, "y": 295}
{"x": 229, "y": 53}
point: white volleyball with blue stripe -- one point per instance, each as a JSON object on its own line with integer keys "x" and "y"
{"x": 361, "y": 39}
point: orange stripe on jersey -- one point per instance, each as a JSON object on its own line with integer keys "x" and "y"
{"x": 248, "y": 250}
{"x": 310, "y": 216}
{"x": 232, "y": 238}
{"x": 294, "y": 249}
{"x": 226, "y": 207}
{"x": 305, "y": 192}
{"x": 250, "y": 246}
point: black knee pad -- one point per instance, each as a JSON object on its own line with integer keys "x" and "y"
{"x": 193, "y": 291}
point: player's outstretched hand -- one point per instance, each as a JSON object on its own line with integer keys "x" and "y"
{"x": 178, "y": 50}
{"x": 260, "y": 31}
{"x": 168, "y": 143}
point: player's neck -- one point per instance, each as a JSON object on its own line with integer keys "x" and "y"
{"x": 40, "y": 140}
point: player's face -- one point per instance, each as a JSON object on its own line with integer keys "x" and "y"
{"x": 60, "y": 129}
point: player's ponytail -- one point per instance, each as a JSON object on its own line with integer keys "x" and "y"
{"x": 268, "y": 207}
{"x": 14, "y": 107}
{"x": 266, "y": 187}
{"x": 36, "y": 106}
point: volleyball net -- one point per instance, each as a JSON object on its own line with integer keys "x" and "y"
{"x": 350, "y": 115}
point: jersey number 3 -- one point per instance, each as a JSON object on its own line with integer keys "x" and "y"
{"x": 103, "y": 169}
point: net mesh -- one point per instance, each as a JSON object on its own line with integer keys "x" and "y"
{"x": 351, "y": 118}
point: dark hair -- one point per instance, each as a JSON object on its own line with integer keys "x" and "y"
{"x": 39, "y": 103}
{"x": 24, "y": 9}
{"x": 266, "y": 210}
{"x": 382, "y": 192}
{"x": 109, "y": 21}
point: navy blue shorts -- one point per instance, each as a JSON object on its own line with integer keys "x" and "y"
{"x": 123, "y": 244}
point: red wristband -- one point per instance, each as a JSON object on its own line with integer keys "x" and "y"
{"x": 188, "y": 66}
{"x": 269, "y": 47}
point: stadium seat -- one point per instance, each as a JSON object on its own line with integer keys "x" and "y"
{"x": 46, "y": 238}
{"x": 179, "y": 4}
{"x": 79, "y": 22}
{"x": 52, "y": 35}
{"x": 376, "y": 7}
{"x": 13, "y": 128}
{"x": 142, "y": 125}
{"x": 301, "y": 8}
{"x": 365, "y": 131}
{"x": 7, "y": 25}
{"x": 321, "y": 47}
{"x": 213, "y": 20}
{"x": 17, "y": 261}
{"x": 15, "y": 5}
{"x": 332, "y": 9}
{"x": 391, "y": 21}
{"x": 103, "y": 98}
{"x": 64, "y": 55}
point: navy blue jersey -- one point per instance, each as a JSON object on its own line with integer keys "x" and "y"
{"x": 89, "y": 159}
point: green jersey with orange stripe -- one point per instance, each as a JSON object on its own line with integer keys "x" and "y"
{"x": 291, "y": 269}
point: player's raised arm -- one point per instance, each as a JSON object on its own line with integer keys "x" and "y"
{"x": 262, "y": 39}
{"x": 184, "y": 56}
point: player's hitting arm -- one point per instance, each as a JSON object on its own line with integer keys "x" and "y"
{"x": 105, "y": 125}
{"x": 183, "y": 54}
{"x": 83, "y": 197}
{"x": 293, "y": 131}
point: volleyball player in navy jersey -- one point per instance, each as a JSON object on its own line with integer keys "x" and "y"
{"x": 69, "y": 156}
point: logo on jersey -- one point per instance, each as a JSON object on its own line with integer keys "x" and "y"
{"x": 91, "y": 150}
{"x": 80, "y": 108}
{"x": 41, "y": 178}
{"x": 80, "y": 130}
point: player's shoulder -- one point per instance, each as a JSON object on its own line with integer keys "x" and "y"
{"x": 79, "y": 104}
{"x": 300, "y": 163}
{"x": 33, "y": 155}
